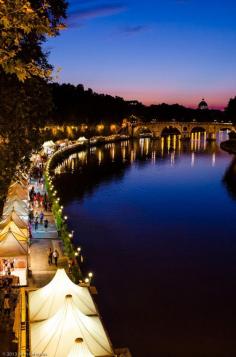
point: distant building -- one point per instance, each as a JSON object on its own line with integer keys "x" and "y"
{"x": 203, "y": 105}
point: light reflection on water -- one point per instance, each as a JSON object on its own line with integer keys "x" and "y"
{"x": 156, "y": 221}
{"x": 168, "y": 148}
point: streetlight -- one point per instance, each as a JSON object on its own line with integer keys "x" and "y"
{"x": 90, "y": 275}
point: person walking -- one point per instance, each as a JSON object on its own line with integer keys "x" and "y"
{"x": 41, "y": 217}
{"x": 55, "y": 255}
{"x": 50, "y": 256}
{"x": 46, "y": 224}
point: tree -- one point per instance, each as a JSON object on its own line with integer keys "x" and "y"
{"x": 23, "y": 27}
{"x": 230, "y": 110}
{"x": 25, "y": 97}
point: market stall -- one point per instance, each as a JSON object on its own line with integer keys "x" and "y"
{"x": 13, "y": 256}
{"x": 56, "y": 336}
{"x": 45, "y": 302}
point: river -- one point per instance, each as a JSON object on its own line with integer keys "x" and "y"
{"x": 156, "y": 223}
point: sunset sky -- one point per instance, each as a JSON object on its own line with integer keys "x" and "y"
{"x": 154, "y": 50}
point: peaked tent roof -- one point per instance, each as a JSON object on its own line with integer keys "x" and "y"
{"x": 13, "y": 217}
{"x": 15, "y": 200}
{"x": 18, "y": 184}
{"x": 45, "y": 302}
{"x": 79, "y": 349}
{"x": 10, "y": 246}
{"x": 14, "y": 229}
{"x": 49, "y": 143}
{"x": 18, "y": 190}
{"x": 56, "y": 336}
{"x": 22, "y": 180}
{"x": 17, "y": 206}
{"x": 21, "y": 194}
{"x": 18, "y": 236}
{"x": 18, "y": 196}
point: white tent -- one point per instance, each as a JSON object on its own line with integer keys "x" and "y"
{"x": 11, "y": 201}
{"x": 13, "y": 217}
{"x": 12, "y": 226}
{"x": 19, "y": 191}
{"x": 16, "y": 197}
{"x": 45, "y": 302}
{"x": 79, "y": 349}
{"x": 56, "y": 336}
{"x": 18, "y": 184}
{"x": 12, "y": 245}
{"x": 82, "y": 139}
{"x": 49, "y": 147}
{"x": 48, "y": 144}
{"x": 19, "y": 207}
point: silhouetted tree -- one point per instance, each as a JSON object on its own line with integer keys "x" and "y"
{"x": 230, "y": 110}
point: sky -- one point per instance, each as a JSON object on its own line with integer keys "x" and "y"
{"x": 155, "y": 51}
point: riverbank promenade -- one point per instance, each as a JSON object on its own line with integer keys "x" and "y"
{"x": 40, "y": 272}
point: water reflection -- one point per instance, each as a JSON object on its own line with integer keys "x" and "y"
{"x": 155, "y": 215}
{"x": 230, "y": 179}
{"x": 168, "y": 150}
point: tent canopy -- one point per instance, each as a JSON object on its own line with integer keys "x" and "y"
{"x": 11, "y": 226}
{"x": 12, "y": 246}
{"x": 15, "y": 201}
{"x": 13, "y": 217}
{"x": 18, "y": 236}
{"x": 82, "y": 138}
{"x": 56, "y": 336}
{"x": 13, "y": 196}
{"x": 79, "y": 349}
{"x": 18, "y": 207}
{"x": 45, "y": 302}
{"x": 48, "y": 144}
{"x": 19, "y": 191}
{"x": 18, "y": 184}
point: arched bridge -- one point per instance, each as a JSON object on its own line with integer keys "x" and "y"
{"x": 185, "y": 129}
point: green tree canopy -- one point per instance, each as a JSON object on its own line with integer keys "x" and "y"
{"x": 25, "y": 97}
{"x": 24, "y": 25}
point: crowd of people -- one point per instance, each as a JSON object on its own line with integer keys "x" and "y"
{"x": 7, "y": 266}
{"x": 8, "y": 299}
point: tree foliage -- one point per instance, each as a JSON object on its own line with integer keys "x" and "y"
{"x": 23, "y": 27}
{"x": 75, "y": 105}
{"x": 25, "y": 97}
{"x": 231, "y": 109}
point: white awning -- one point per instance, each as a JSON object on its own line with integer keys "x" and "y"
{"x": 56, "y": 336}
{"x": 12, "y": 245}
{"x": 45, "y": 302}
{"x": 80, "y": 349}
{"x": 13, "y": 217}
{"x": 18, "y": 206}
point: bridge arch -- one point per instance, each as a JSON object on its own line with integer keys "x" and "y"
{"x": 198, "y": 129}
{"x": 170, "y": 130}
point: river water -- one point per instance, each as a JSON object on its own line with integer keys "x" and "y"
{"x": 156, "y": 223}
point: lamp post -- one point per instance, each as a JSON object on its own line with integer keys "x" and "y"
{"x": 90, "y": 275}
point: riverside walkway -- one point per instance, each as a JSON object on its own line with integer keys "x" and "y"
{"x": 40, "y": 272}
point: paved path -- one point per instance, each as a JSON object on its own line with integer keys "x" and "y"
{"x": 41, "y": 272}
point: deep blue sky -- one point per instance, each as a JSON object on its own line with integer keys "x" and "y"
{"x": 154, "y": 51}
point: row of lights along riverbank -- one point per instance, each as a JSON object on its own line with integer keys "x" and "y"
{"x": 77, "y": 253}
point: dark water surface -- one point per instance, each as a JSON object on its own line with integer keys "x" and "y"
{"x": 156, "y": 223}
